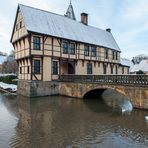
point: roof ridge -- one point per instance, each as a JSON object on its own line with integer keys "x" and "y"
{"x": 40, "y": 9}
{"x": 57, "y": 25}
{"x": 61, "y": 16}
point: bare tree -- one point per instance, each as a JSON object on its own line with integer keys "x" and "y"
{"x": 10, "y": 65}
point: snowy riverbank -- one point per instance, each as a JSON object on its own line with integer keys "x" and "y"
{"x": 9, "y": 87}
{"x": 8, "y": 74}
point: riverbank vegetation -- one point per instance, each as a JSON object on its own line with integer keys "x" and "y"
{"x": 9, "y": 79}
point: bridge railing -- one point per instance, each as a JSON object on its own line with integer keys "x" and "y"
{"x": 107, "y": 79}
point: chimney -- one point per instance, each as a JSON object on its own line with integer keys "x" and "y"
{"x": 108, "y": 30}
{"x": 84, "y": 18}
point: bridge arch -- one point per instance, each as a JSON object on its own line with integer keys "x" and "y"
{"x": 94, "y": 93}
{"x": 93, "y": 88}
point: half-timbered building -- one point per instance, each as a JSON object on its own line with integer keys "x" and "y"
{"x": 48, "y": 45}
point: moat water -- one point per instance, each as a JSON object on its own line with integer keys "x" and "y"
{"x": 60, "y": 122}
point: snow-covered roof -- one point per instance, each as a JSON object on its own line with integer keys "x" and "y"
{"x": 52, "y": 24}
{"x": 142, "y": 56}
{"x": 126, "y": 62}
{"x": 139, "y": 58}
{"x": 143, "y": 65}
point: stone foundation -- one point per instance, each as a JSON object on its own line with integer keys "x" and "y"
{"x": 37, "y": 88}
{"x": 137, "y": 95}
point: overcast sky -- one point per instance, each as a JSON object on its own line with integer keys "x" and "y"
{"x": 128, "y": 20}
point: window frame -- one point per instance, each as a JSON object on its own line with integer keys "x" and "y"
{"x": 28, "y": 69}
{"x": 55, "y": 68}
{"x": 116, "y": 69}
{"x": 20, "y": 70}
{"x": 72, "y": 49}
{"x": 64, "y": 50}
{"x": 93, "y": 53}
{"x": 20, "y": 24}
{"x": 89, "y": 69}
{"x": 36, "y": 44}
{"x": 112, "y": 69}
{"x": 16, "y": 27}
{"x": 86, "y": 52}
{"x": 116, "y": 55}
{"x": 123, "y": 70}
{"x": 113, "y": 53}
{"x": 104, "y": 69}
{"x": 36, "y": 68}
{"x": 106, "y": 53}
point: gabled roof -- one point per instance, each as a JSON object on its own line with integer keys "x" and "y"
{"x": 126, "y": 62}
{"x": 52, "y": 24}
{"x": 70, "y": 12}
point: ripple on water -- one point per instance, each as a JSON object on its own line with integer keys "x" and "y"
{"x": 56, "y": 122}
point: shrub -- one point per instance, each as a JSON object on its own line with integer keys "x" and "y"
{"x": 140, "y": 72}
{"x": 8, "y": 79}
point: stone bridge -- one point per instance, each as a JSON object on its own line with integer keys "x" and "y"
{"x": 134, "y": 87}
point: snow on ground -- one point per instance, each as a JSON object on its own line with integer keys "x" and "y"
{"x": 8, "y": 86}
{"x": 8, "y": 74}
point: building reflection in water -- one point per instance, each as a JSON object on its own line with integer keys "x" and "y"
{"x": 65, "y": 122}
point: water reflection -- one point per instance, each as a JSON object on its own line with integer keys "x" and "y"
{"x": 117, "y": 101}
{"x": 65, "y": 122}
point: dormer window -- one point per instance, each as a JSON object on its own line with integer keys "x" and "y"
{"x": 36, "y": 43}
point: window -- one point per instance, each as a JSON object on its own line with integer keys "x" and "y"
{"x": 111, "y": 69}
{"x": 20, "y": 70}
{"x": 36, "y": 43}
{"x": 94, "y": 63}
{"x": 83, "y": 63}
{"x": 72, "y": 48}
{"x": 106, "y": 53}
{"x": 28, "y": 71}
{"x": 104, "y": 69}
{"x": 55, "y": 67}
{"x": 122, "y": 70}
{"x": 128, "y": 71}
{"x": 113, "y": 55}
{"x": 116, "y": 55}
{"x": 86, "y": 50}
{"x": 116, "y": 69}
{"x": 20, "y": 24}
{"x": 89, "y": 68}
{"x": 16, "y": 27}
{"x": 36, "y": 66}
{"x": 93, "y": 51}
{"x": 65, "y": 47}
